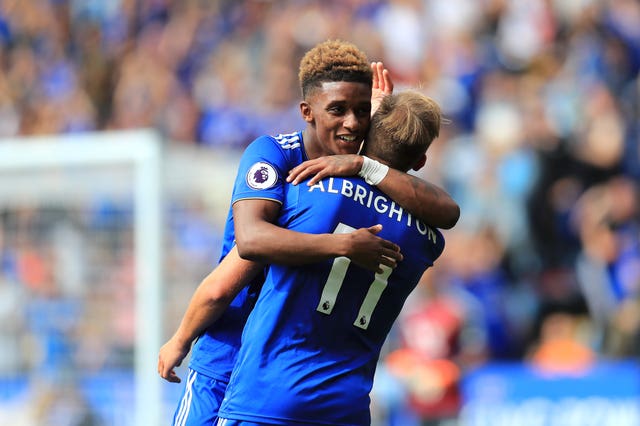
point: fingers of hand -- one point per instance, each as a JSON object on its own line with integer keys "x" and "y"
{"x": 169, "y": 375}
{"x": 391, "y": 247}
{"x": 298, "y": 176}
{"x": 393, "y": 254}
{"x": 375, "y": 228}
{"x": 304, "y": 170}
{"x": 387, "y": 261}
{"x": 308, "y": 173}
{"x": 317, "y": 177}
{"x": 293, "y": 173}
{"x": 374, "y": 68}
{"x": 173, "y": 377}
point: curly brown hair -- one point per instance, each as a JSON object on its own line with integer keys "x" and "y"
{"x": 403, "y": 127}
{"x": 333, "y": 60}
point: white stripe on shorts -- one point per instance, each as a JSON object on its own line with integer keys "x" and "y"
{"x": 185, "y": 404}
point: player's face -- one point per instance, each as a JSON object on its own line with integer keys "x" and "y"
{"x": 338, "y": 116}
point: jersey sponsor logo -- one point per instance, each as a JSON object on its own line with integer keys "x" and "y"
{"x": 262, "y": 175}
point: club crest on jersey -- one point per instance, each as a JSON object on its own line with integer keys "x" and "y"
{"x": 261, "y": 176}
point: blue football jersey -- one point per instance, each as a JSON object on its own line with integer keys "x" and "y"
{"x": 311, "y": 344}
{"x": 261, "y": 174}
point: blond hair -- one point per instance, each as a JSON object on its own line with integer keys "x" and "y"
{"x": 402, "y": 129}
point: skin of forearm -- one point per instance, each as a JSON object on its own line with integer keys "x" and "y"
{"x": 267, "y": 243}
{"x": 213, "y": 296}
{"x": 427, "y": 202}
{"x": 259, "y": 240}
{"x": 203, "y": 310}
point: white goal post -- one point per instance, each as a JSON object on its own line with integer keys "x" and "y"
{"x": 142, "y": 150}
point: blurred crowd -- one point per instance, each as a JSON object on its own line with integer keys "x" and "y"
{"x": 542, "y": 152}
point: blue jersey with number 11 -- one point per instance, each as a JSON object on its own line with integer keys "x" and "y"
{"x": 311, "y": 344}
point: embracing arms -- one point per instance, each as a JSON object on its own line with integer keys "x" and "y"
{"x": 424, "y": 200}
{"x": 260, "y": 240}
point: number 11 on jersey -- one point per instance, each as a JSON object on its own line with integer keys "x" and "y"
{"x": 336, "y": 278}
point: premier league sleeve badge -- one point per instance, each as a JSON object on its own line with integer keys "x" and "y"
{"x": 262, "y": 175}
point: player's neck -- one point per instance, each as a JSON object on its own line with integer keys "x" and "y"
{"x": 310, "y": 145}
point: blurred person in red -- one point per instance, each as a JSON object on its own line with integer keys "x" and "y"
{"x": 425, "y": 360}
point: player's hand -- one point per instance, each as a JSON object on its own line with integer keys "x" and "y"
{"x": 370, "y": 251}
{"x": 382, "y": 85}
{"x": 331, "y": 165}
{"x": 171, "y": 355}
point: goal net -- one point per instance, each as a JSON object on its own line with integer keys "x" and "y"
{"x": 81, "y": 279}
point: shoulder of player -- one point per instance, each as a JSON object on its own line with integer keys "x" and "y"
{"x": 272, "y": 156}
{"x": 287, "y": 147}
{"x": 283, "y": 141}
{"x": 289, "y": 141}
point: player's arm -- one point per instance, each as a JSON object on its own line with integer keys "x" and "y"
{"x": 211, "y": 298}
{"x": 422, "y": 199}
{"x": 428, "y": 202}
{"x": 258, "y": 239}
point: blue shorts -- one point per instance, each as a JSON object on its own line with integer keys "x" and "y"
{"x": 200, "y": 400}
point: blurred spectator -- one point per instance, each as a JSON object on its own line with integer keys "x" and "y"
{"x": 563, "y": 345}
{"x": 427, "y": 361}
{"x": 608, "y": 220}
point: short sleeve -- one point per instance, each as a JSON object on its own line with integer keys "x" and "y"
{"x": 262, "y": 171}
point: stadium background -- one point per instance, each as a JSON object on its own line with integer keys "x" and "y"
{"x": 532, "y": 316}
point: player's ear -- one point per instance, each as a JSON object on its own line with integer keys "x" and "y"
{"x": 305, "y": 110}
{"x": 420, "y": 163}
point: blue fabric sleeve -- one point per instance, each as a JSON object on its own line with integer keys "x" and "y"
{"x": 262, "y": 172}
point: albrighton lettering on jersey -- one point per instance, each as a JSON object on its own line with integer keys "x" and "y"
{"x": 368, "y": 198}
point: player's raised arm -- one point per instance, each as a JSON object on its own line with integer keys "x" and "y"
{"x": 211, "y": 298}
